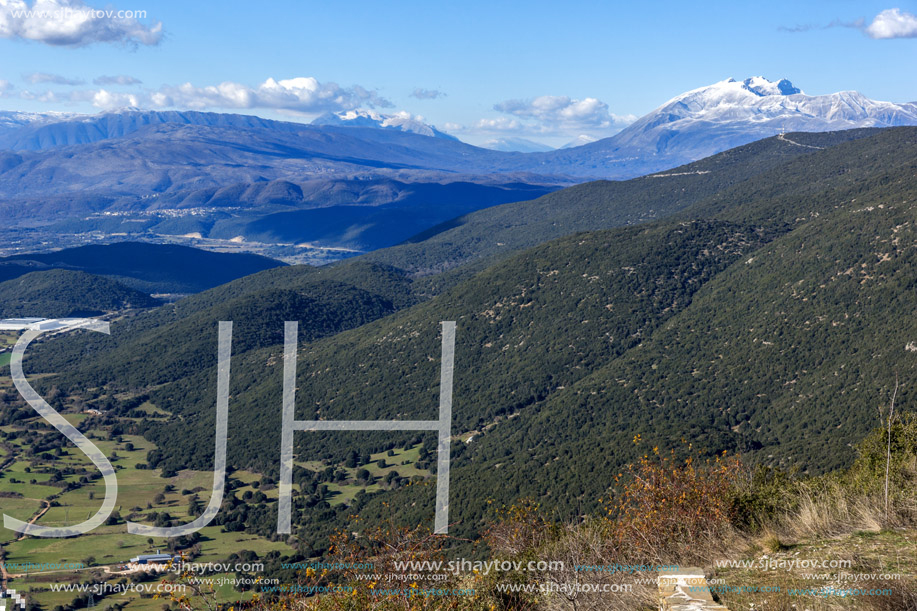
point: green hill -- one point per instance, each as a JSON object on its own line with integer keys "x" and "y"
{"x": 500, "y": 231}
{"x": 178, "y": 340}
{"x": 152, "y": 268}
{"x": 62, "y": 293}
{"x": 768, "y": 316}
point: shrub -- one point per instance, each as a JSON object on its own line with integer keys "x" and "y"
{"x": 670, "y": 511}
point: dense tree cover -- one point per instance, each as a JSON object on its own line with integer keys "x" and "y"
{"x": 62, "y": 293}
{"x": 500, "y": 231}
{"x": 178, "y": 340}
{"x": 768, "y": 319}
{"x": 598, "y": 293}
{"x": 162, "y": 268}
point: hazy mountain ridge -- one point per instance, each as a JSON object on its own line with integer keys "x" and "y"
{"x": 352, "y": 214}
{"x": 728, "y": 113}
{"x": 40, "y": 131}
{"x": 403, "y": 121}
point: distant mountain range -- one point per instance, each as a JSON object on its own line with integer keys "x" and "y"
{"x": 403, "y": 122}
{"x": 730, "y": 113}
{"x": 38, "y": 131}
{"x": 520, "y": 145}
{"x": 221, "y": 175}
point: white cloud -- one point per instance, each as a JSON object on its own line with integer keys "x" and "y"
{"x": 297, "y": 95}
{"x": 500, "y": 124}
{"x": 563, "y": 112}
{"x": 554, "y": 119}
{"x": 47, "y": 97}
{"x": 890, "y": 23}
{"x": 893, "y": 23}
{"x": 55, "y": 79}
{"x": 106, "y": 100}
{"x": 427, "y": 94}
{"x": 71, "y": 23}
{"x": 301, "y": 94}
{"x": 120, "y": 79}
{"x": 837, "y": 23}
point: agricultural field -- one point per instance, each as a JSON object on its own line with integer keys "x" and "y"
{"x": 402, "y": 462}
{"x": 7, "y": 341}
{"x": 46, "y": 479}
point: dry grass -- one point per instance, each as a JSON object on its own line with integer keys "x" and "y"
{"x": 667, "y": 511}
{"x": 586, "y": 545}
{"x": 831, "y": 511}
{"x": 903, "y": 597}
{"x": 771, "y": 542}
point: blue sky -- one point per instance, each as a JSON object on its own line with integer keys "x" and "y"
{"x": 546, "y": 71}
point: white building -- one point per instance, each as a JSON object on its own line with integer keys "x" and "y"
{"x": 18, "y": 324}
{"x": 42, "y": 324}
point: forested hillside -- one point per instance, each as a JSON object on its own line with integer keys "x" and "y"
{"x": 499, "y": 231}
{"x": 62, "y": 293}
{"x": 769, "y": 315}
{"x": 152, "y": 268}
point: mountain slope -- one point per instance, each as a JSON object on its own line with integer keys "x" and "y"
{"x": 171, "y": 157}
{"x": 538, "y": 327}
{"x": 722, "y": 116}
{"x": 147, "y": 267}
{"x": 182, "y": 335}
{"x": 35, "y": 132}
{"x": 64, "y": 293}
{"x": 782, "y": 357}
{"x": 766, "y": 319}
{"x": 404, "y": 209}
{"x": 369, "y": 118}
{"x": 502, "y": 230}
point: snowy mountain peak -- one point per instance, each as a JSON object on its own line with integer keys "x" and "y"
{"x": 732, "y": 91}
{"x": 517, "y": 145}
{"x": 580, "y": 141}
{"x": 13, "y": 118}
{"x": 401, "y": 121}
{"x": 729, "y": 113}
{"x": 762, "y": 86}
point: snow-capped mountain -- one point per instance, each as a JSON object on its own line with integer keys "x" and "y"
{"x": 711, "y": 119}
{"x": 760, "y": 103}
{"x": 243, "y": 148}
{"x": 40, "y": 131}
{"x": 11, "y": 119}
{"x": 519, "y": 145}
{"x": 401, "y": 121}
{"x": 729, "y": 113}
{"x": 580, "y": 141}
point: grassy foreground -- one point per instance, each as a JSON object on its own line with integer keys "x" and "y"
{"x": 766, "y": 540}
